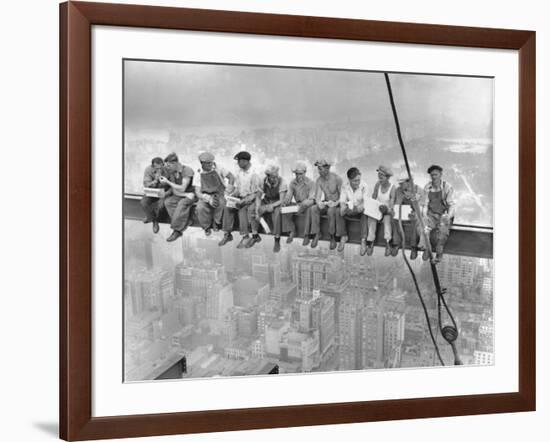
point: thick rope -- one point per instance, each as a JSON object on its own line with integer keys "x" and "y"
{"x": 449, "y": 333}
{"x": 418, "y": 292}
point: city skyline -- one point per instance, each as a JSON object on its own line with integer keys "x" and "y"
{"x": 233, "y": 312}
{"x": 225, "y": 309}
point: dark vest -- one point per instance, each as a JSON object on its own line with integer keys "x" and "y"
{"x": 436, "y": 203}
{"x": 271, "y": 192}
{"x": 211, "y": 183}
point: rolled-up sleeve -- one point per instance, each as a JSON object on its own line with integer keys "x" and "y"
{"x": 148, "y": 178}
{"x": 450, "y": 197}
{"x": 256, "y": 183}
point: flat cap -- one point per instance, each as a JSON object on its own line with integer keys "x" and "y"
{"x": 272, "y": 170}
{"x": 434, "y": 167}
{"x": 299, "y": 168}
{"x": 385, "y": 170}
{"x": 322, "y": 163}
{"x": 206, "y": 157}
{"x": 171, "y": 157}
{"x": 242, "y": 155}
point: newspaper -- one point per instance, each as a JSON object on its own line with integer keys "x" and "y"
{"x": 153, "y": 192}
{"x": 289, "y": 209}
{"x": 372, "y": 208}
{"x": 231, "y": 201}
{"x": 405, "y": 211}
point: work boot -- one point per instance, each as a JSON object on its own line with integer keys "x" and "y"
{"x": 208, "y": 231}
{"x": 175, "y": 235}
{"x": 156, "y": 226}
{"x": 342, "y": 244}
{"x": 226, "y": 238}
{"x": 425, "y": 255}
{"x": 370, "y": 248}
{"x": 255, "y": 238}
{"x": 394, "y": 250}
{"x": 332, "y": 244}
{"x": 414, "y": 253}
{"x": 291, "y": 238}
{"x": 315, "y": 241}
{"x": 387, "y": 252}
{"x": 243, "y": 242}
{"x": 277, "y": 245}
{"x": 363, "y": 248}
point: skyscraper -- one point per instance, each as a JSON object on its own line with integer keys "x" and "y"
{"x": 219, "y": 299}
{"x": 312, "y": 272}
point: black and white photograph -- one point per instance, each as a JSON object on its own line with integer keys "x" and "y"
{"x": 283, "y": 220}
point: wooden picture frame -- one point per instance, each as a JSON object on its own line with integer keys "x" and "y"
{"x": 76, "y": 21}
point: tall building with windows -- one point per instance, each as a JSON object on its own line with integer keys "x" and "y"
{"x": 372, "y": 321}
{"x": 350, "y": 312}
{"x": 193, "y": 279}
{"x": 266, "y": 271}
{"x": 219, "y": 299}
{"x": 457, "y": 270}
{"x": 147, "y": 290}
{"x": 313, "y": 272}
{"x": 394, "y": 334}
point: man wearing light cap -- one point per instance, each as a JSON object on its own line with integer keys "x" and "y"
{"x": 327, "y": 195}
{"x": 269, "y": 205}
{"x": 301, "y": 191}
{"x": 405, "y": 194}
{"x": 384, "y": 193}
{"x": 247, "y": 187}
{"x": 210, "y": 193}
{"x": 438, "y": 210}
{"x": 180, "y": 202}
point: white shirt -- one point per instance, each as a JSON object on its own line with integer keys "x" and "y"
{"x": 247, "y": 182}
{"x": 353, "y": 197}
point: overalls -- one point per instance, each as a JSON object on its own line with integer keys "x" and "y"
{"x": 179, "y": 206}
{"x": 272, "y": 195}
{"x": 211, "y": 184}
{"x": 404, "y": 197}
{"x": 434, "y": 220}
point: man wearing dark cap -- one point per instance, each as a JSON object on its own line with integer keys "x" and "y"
{"x": 151, "y": 179}
{"x": 182, "y": 197}
{"x": 438, "y": 210}
{"x": 327, "y": 196}
{"x": 210, "y": 192}
{"x": 247, "y": 187}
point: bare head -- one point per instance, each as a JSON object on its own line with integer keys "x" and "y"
{"x": 354, "y": 177}
{"x": 158, "y": 164}
{"x": 171, "y": 162}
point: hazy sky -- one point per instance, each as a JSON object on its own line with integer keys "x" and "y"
{"x": 161, "y": 96}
